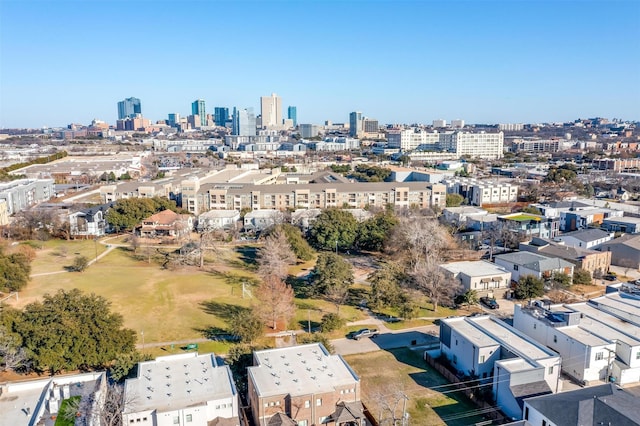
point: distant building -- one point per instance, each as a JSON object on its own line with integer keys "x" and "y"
{"x": 411, "y": 139}
{"x": 589, "y": 260}
{"x": 4, "y": 213}
{"x": 24, "y": 193}
{"x": 198, "y": 108}
{"x": 292, "y": 114}
{"x": 523, "y": 263}
{"x": 370, "y": 125}
{"x": 218, "y": 219}
{"x": 626, "y": 225}
{"x": 585, "y": 238}
{"x": 439, "y": 123}
{"x": 355, "y": 124}
{"x": 309, "y": 130}
{"x": 244, "y": 122}
{"x": 129, "y": 108}
{"x": 271, "y": 111}
{"x": 174, "y": 119}
{"x": 185, "y": 389}
{"x": 486, "y": 278}
{"x": 488, "y": 146}
{"x": 165, "y": 224}
{"x": 530, "y": 225}
{"x": 259, "y": 220}
{"x": 221, "y": 116}
{"x": 457, "y": 124}
{"x": 511, "y": 127}
{"x": 304, "y": 385}
{"x": 90, "y": 222}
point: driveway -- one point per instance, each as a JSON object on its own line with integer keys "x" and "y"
{"x": 419, "y": 336}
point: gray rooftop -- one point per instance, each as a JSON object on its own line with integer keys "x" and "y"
{"x": 596, "y": 405}
{"x": 586, "y": 235}
{"x": 534, "y": 261}
{"x": 479, "y": 268}
{"x": 178, "y": 381}
{"x": 299, "y": 370}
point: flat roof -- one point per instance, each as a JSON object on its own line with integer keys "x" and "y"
{"x": 508, "y": 337}
{"x": 515, "y": 364}
{"x": 605, "y": 318}
{"x": 619, "y": 307}
{"x": 299, "y": 370}
{"x": 178, "y": 381}
{"x": 14, "y": 406}
{"x": 471, "y": 333}
{"x": 623, "y": 219}
{"x": 583, "y": 336}
{"x": 475, "y": 268}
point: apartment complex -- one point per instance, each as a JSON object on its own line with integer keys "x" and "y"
{"x": 481, "y": 192}
{"x": 305, "y": 385}
{"x": 24, "y": 193}
{"x": 492, "y": 351}
{"x": 185, "y": 389}
{"x": 410, "y": 139}
{"x": 477, "y": 145}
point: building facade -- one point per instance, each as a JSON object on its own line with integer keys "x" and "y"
{"x": 198, "y": 108}
{"x": 271, "y": 111}
{"x": 355, "y": 124}
{"x": 244, "y": 122}
{"x": 24, "y": 193}
{"x": 292, "y": 114}
{"x": 486, "y": 278}
{"x": 129, "y": 108}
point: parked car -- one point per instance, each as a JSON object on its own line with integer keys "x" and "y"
{"x": 489, "y": 302}
{"x": 609, "y": 277}
{"x": 365, "y": 332}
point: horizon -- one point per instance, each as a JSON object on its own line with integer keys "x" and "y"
{"x": 485, "y": 62}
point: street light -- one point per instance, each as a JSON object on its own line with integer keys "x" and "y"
{"x": 336, "y": 246}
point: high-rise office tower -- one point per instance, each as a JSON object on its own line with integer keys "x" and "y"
{"x": 129, "y": 108}
{"x": 355, "y": 124}
{"x": 197, "y": 108}
{"x": 221, "y": 115}
{"x": 271, "y": 111}
{"x": 244, "y": 122}
{"x": 174, "y": 119}
{"x": 292, "y": 114}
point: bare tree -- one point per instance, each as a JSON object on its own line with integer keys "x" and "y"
{"x": 431, "y": 279}
{"x": 207, "y": 239}
{"x": 276, "y": 301}
{"x": 12, "y": 356}
{"x": 419, "y": 238}
{"x": 275, "y": 256}
{"x": 105, "y": 409}
{"x": 389, "y": 400}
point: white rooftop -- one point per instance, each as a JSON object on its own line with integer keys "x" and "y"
{"x": 477, "y": 268}
{"x": 513, "y": 341}
{"x": 473, "y": 334}
{"x": 219, "y": 214}
{"x": 606, "y": 318}
{"x": 584, "y": 336}
{"x": 622, "y": 307}
{"x": 515, "y": 364}
{"x": 178, "y": 381}
{"x": 299, "y": 370}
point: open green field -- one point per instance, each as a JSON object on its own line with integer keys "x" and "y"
{"x": 384, "y": 374}
{"x": 54, "y": 255}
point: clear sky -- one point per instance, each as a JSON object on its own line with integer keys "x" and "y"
{"x": 398, "y": 61}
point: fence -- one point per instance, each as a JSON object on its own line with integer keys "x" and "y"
{"x": 467, "y": 388}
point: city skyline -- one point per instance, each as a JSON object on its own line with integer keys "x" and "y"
{"x": 399, "y": 62}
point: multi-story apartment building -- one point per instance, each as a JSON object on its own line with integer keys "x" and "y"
{"x": 480, "y": 192}
{"x": 511, "y": 127}
{"x": 530, "y": 225}
{"x": 334, "y": 144}
{"x": 483, "y": 145}
{"x": 489, "y": 349}
{"x": 317, "y": 195}
{"x": 411, "y": 139}
{"x": 184, "y": 390}
{"x": 304, "y": 385}
{"x": 536, "y": 145}
{"x": 618, "y": 164}
{"x": 24, "y": 193}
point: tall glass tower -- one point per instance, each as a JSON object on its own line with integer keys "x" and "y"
{"x": 129, "y": 108}
{"x": 292, "y": 114}
{"x": 197, "y": 108}
{"x": 221, "y": 115}
{"x": 244, "y": 122}
{"x": 355, "y": 124}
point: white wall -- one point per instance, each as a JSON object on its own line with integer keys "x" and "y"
{"x": 534, "y": 416}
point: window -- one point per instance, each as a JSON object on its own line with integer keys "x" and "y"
{"x": 555, "y": 339}
{"x": 481, "y": 358}
{"x": 322, "y": 419}
{"x": 551, "y": 370}
{"x": 526, "y": 413}
{"x": 599, "y": 356}
{"x": 638, "y": 355}
{"x": 307, "y": 404}
{"x": 534, "y": 326}
{"x": 302, "y": 423}
{"x": 544, "y": 423}
{"x": 189, "y": 418}
{"x": 515, "y": 267}
{"x": 319, "y": 402}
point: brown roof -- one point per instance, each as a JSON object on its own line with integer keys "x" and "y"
{"x": 165, "y": 217}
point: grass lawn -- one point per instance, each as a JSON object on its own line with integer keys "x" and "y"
{"x": 64, "y": 407}
{"x": 405, "y": 371}
{"x": 54, "y": 255}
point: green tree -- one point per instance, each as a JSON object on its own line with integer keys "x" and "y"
{"x": 334, "y": 226}
{"x": 560, "y": 280}
{"x": 531, "y": 210}
{"x": 305, "y": 338}
{"x": 127, "y": 213}
{"x": 581, "y": 277}
{"x": 528, "y": 287}
{"x": 408, "y": 306}
{"x": 80, "y": 263}
{"x": 299, "y": 245}
{"x": 385, "y": 285}
{"x": 71, "y": 330}
{"x": 246, "y": 325}
{"x": 125, "y": 365}
{"x": 454, "y": 200}
{"x": 14, "y": 271}
{"x": 374, "y": 232}
{"x": 469, "y": 297}
{"x": 331, "y": 322}
{"x": 333, "y": 276}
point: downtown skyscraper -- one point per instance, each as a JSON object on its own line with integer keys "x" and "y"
{"x": 197, "y": 108}
{"x": 271, "y": 111}
{"x": 129, "y": 108}
{"x": 292, "y": 114}
{"x": 244, "y": 122}
{"x": 220, "y": 116}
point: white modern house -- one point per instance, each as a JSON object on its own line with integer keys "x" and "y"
{"x": 585, "y": 238}
{"x": 185, "y": 389}
{"x": 486, "y": 278}
{"x": 489, "y": 349}
{"x": 218, "y": 219}
{"x": 259, "y": 220}
{"x": 523, "y": 263}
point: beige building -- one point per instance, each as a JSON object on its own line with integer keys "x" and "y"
{"x": 303, "y": 385}
{"x": 4, "y": 213}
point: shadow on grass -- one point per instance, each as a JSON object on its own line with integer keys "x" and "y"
{"x": 233, "y": 278}
{"x": 217, "y": 334}
{"x": 302, "y": 289}
{"x": 357, "y": 296}
{"x": 248, "y": 255}
{"x": 224, "y": 311}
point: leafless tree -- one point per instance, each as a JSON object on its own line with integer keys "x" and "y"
{"x": 12, "y": 356}
{"x": 275, "y": 256}
{"x": 420, "y": 238}
{"x": 389, "y": 400}
{"x": 276, "y": 301}
{"x": 207, "y": 239}
{"x": 431, "y": 279}
{"x": 105, "y": 407}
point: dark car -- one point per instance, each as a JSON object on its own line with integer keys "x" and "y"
{"x": 489, "y": 302}
{"x": 609, "y": 277}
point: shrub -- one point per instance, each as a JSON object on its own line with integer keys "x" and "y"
{"x": 331, "y": 322}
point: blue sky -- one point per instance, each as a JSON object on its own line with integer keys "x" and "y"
{"x": 398, "y": 61}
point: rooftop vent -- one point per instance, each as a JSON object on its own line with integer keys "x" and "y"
{"x": 277, "y": 383}
{"x": 299, "y": 353}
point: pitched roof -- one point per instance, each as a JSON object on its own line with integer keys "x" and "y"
{"x": 348, "y": 412}
{"x": 281, "y": 419}
{"x": 604, "y": 404}
{"x": 165, "y": 217}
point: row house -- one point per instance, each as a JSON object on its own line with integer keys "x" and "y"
{"x": 589, "y": 260}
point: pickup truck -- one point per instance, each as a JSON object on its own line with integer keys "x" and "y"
{"x": 489, "y": 302}
{"x": 365, "y": 332}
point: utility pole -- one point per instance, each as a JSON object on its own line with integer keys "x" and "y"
{"x": 309, "y": 320}
{"x": 336, "y": 246}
